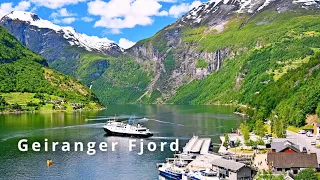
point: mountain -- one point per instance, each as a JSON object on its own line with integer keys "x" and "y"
{"x": 25, "y": 80}
{"x": 261, "y": 53}
{"x": 65, "y": 50}
{"x": 198, "y": 44}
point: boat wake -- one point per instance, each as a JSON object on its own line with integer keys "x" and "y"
{"x": 166, "y": 122}
{"x": 104, "y": 118}
{"x": 31, "y": 132}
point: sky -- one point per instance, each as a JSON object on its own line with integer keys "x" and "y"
{"x": 123, "y": 21}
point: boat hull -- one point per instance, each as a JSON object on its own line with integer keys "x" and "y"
{"x": 112, "y": 133}
{"x": 170, "y": 175}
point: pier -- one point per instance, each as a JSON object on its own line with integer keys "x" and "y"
{"x": 198, "y": 145}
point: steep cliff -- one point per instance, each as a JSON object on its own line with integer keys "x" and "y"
{"x": 198, "y": 44}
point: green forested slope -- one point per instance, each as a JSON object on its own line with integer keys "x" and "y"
{"x": 276, "y": 71}
{"x": 123, "y": 82}
{"x": 23, "y": 71}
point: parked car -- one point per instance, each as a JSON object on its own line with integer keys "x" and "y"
{"x": 301, "y": 132}
{"x": 309, "y": 134}
{"x": 304, "y": 150}
{"x": 313, "y": 143}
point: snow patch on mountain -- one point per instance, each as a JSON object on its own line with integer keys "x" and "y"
{"x": 90, "y": 43}
{"x": 205, "y": 10}
{"x": 306, "y": 2}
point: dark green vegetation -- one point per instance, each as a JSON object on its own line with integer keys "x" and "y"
{"x": 86, "y": 68}
{"x": 308, "y": 173}
{"x": 123, "y": 82}
{"x": 23, "y": 71}
{"x": 277, "y": 71}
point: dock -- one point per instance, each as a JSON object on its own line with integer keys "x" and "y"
{"x": 205, "y": 146}
{"x": 198, "y": 145}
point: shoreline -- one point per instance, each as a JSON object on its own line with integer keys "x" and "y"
{"x": 50, "y": 111}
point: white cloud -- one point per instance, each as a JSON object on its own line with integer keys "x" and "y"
{"x": 131, "y": 13}
{"x": 62, "y": 13}
{"x": 115, "y": 31}
{"x": 178, "y": 10}
{"x": 125, "y": 43}
{"x": 54, "y": 4}
{"x": 6, "y": 8}
{"x": 68, "y": 20}
{"x": 87, "y": 19}
{"x": 63, "y": 16}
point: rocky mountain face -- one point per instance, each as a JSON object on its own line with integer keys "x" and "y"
{"x": 63, "y": 47}
{"x": 176, "y": 62}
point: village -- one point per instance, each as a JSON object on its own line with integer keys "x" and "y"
{"x": 277, "y": 158}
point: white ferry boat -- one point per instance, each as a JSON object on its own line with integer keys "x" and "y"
{"x": 119, "y": 128}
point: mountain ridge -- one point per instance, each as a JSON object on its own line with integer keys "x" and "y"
{"x": 90, "y": 43}
{"x": 27, "y": 84}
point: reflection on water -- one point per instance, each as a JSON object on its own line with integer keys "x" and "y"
{"x": 166, "y": 121}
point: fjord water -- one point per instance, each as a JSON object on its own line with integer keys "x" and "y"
{"x": 168, "y": 122}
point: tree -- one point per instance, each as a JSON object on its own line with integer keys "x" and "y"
{"x": 308, "y": 173}
{"x": 245, "y": 131}
{"x": 237, "y": 143}
{"x": 226, "y": 140}
{"x": 16, "y": 107}
{"x": 318, "y": 109}
{"x": 260, "y": 129}
{"x": 2, "y": 101}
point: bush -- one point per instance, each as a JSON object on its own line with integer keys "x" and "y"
{"x": 318, "y": 109}
{"x": 16, "y": 107}
{"x": 305, "y": 174}
{"x": 226, "y": 140}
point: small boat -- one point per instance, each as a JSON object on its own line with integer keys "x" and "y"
{"x": 118, "y": 128}
{"x": 49, "y": 162}
{"x": 208, "y": 172}
{"x": 201, "y": 175}
{"x": 170, "y": 171}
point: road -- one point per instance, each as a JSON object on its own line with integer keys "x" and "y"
{"x": 303, "y": 141}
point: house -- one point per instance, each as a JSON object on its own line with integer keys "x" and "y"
{"x": 227, "y": 169}
{"x": 232, "y": 170}
{"x": 285, "y": 146}
{"x": 316, "y": 129}
{"x": 291, "y": 162}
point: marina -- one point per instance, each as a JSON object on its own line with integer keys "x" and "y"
{"x": 201, "y": 163}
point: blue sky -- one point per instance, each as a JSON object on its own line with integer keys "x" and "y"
{"x": 122, "y": 21}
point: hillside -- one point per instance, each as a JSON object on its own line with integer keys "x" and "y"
{"x": 26, "y": 83}
{"x": 65, "y": 50}
{"x": 259, "y": 53}
{"x": 264, "y": 55}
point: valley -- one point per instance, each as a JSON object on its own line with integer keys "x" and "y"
{"x": 262, "y": 54}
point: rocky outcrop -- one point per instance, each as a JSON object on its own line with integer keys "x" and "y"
{"x": 184, "y": 57}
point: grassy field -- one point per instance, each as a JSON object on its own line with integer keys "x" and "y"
{"x": 41, "y": 105}
{"x": 296, "y": 129}
{"x": 20, "y": 98}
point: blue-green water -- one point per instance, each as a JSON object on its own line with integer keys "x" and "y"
{"x": 168, "y": 123}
